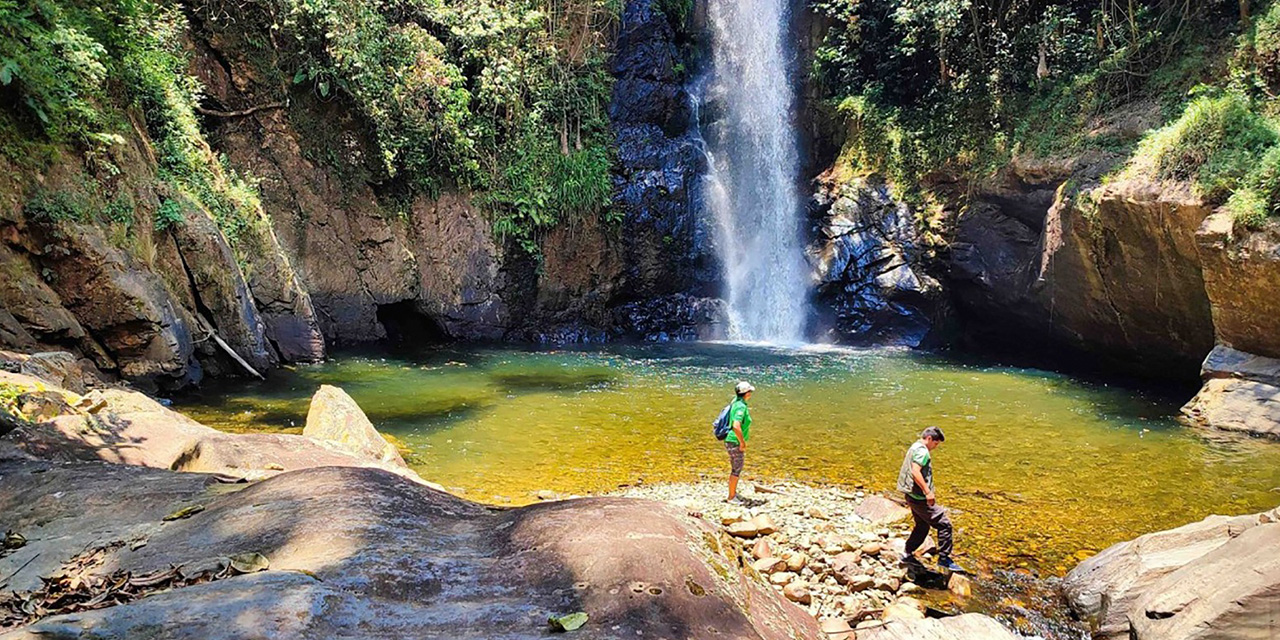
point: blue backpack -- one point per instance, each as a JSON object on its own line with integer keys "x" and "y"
{"x": 720, "y": 426}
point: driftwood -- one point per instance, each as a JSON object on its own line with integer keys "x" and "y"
{"x": 204, "y": 324}
{"x": 242, "y": 112}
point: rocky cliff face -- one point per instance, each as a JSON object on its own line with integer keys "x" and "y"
{"x": 339, "y": 251}
{"x": 138, "y": 302}
{"x": 1112, "y": 272}
{"x": 871, "y": 267}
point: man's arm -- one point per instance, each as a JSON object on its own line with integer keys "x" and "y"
{"x": 737, "y": 431}
{"x": 919, "y": 478}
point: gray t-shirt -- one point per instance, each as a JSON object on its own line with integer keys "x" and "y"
{"x": 919, "y": 454}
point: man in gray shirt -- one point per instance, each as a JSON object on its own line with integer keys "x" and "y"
{"x": 915, "y": 481}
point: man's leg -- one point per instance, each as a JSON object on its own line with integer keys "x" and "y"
{"x": 940, "y": 521}
{"x": 920, "y": 514}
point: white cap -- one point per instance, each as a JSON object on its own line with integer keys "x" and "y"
{"x": 743, "y": 388}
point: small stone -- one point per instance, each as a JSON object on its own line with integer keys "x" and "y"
{"x": 871, "y": 549}
{"x": 795, "y": 560}
{"x": 769, "y": 565}
{"x": 782, "y": 578}
{"x": 825, "y": 527}
{"x": 887, "y": 584}
{"x": 761, "y": 549}
{"x": 744, "y": 530}
{"x": 731, "y": 516}
{"x": 837, "y": 629}
{"x": 960, "y": 585}
{"x": 764, "y": 525}
{"x": 909, "y": 587}
{"x": 817, "y": 513}
{"x": 904, "y": 609}
{"x": 858, "y": 583}
{"x": 798, "y": 591}
{"x": 546, "y": 495}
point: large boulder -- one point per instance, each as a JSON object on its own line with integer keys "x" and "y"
{"x": 1241, "y": 393}
{"x": 881, "y": 510}
{"x": 361, "y": 553}
{"x": 126, "y": 427}
{"x": 970, "y": 626}
{"x": 335, "y": 418}
{"x": 1103, "y": 589}
{"x": 1241, "y": 275}
{"x": 1231, "y": 592}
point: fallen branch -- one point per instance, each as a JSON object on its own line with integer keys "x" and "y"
{"x": 204, "y": 324}
{"x": 242, "y": 112}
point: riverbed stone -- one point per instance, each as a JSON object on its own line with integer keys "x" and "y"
{"x": 797, "y": 591}
{"x": 363, "y": 553}
{"x": 837, "y": 629}
{"x": 769, "y": 565}
{"x": 905, "y": 608}
{"x": 1233, "y": 404}
{"x": 761, "y": 549}
{"x": 880, "y": 510}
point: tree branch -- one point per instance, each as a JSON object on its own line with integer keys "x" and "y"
{"x": 241, "y": 113}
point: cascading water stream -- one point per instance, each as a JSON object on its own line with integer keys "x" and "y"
{"x": 754, "y": 164}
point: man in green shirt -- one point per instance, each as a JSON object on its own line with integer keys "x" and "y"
{"x": 740, "y": 431}
{"x": 915, "y": 480}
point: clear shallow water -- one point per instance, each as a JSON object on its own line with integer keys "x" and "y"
{"x": 1040, "y": 469}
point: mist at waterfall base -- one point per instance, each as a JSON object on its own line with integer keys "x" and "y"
{"x": 754, "y": 164}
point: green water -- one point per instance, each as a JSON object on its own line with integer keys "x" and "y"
{"x": 1040, "y": 469}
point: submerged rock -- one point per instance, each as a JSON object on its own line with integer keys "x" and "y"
{"x": 335, "y": 418}
{"x": 362, "y": 553}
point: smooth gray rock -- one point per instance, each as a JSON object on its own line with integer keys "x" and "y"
{"x": 1103, "y": 589}
{"x": 1231, "y": 593}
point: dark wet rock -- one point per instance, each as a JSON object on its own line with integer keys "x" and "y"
{"x": 869, "y": 265}
{"x": 673, "y": 318}
{"x": 361, "y": 553}
{"x": 667, "y": 239}
{"x": 1103, "y": 590}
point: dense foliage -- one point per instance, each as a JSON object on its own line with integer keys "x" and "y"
{"x": 963, "y": 85}
{"x": 504, "y": 97}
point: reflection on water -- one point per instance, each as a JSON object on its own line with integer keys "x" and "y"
{"x": 1040, "y": 469}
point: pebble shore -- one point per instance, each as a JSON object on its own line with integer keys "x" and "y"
{"x": 835, "y": 552}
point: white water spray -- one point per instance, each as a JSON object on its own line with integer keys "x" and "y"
{"x": 754, "y": 167}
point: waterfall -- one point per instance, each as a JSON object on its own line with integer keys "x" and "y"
{"x": 754, "y": 167}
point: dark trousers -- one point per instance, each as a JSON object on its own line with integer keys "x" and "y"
{"x": 925, "y": 517}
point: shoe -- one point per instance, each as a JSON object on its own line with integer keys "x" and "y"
{"x": 909, "y": 559}
{"x": 950, "y": 565}
{"x": 735, "y": 500}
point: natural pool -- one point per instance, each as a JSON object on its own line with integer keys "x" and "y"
{"x": 1040, "y": 469}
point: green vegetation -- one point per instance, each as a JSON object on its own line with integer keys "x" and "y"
{"x": 506, "y": 98}
{"x": 961, "y": 87}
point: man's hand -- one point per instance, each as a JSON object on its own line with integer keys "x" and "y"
{"x": 742, "y": 446}
{"x": 928, "y": 497}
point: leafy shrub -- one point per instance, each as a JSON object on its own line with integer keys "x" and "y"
{"x": 56, "y": 206}
{"x": 168, "y": 215}
{"x": 1216, "y": 142}
{"x": 1259, "y": 195}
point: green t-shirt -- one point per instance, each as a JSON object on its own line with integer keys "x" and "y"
{"x": 738, "y": 412}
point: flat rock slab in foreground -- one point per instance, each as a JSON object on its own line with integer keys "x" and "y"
{"x": 970, "y": 626}
{"x": 363, "y": 553}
